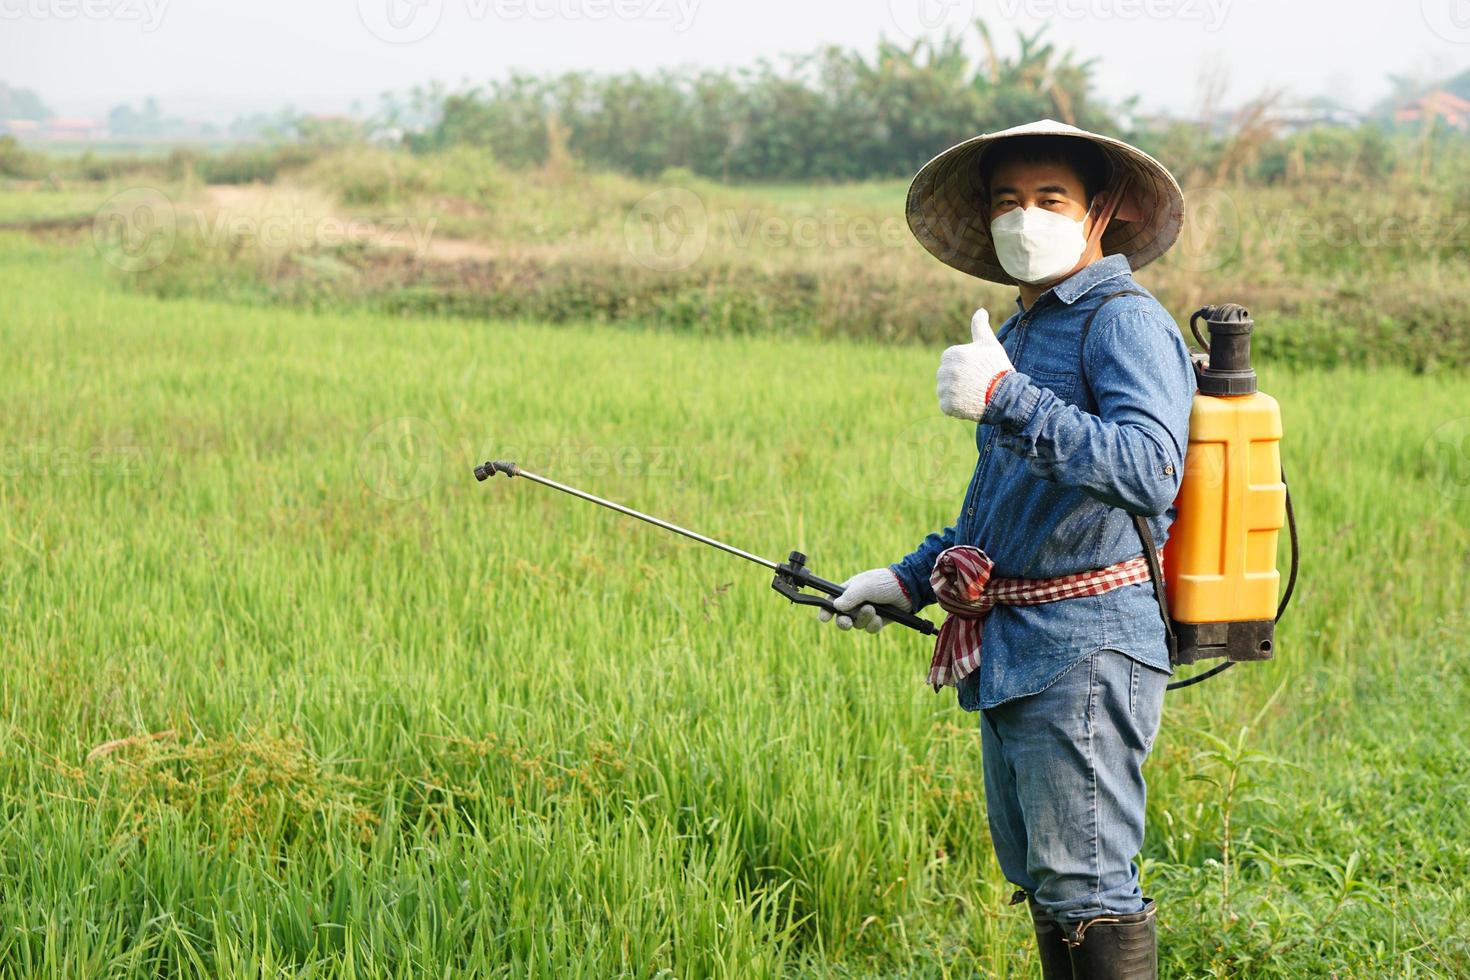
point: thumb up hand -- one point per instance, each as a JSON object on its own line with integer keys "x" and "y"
{"x": 968, "y": 372}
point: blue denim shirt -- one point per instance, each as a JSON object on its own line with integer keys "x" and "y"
{"x": 1063, "y": 462}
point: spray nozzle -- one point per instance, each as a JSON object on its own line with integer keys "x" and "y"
{"x": 490, "y": 468}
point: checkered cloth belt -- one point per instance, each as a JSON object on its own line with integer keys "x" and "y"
{"x": 964, "y": 588}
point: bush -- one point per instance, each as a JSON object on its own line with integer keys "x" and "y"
{"x": 255, "y": 164}
{"x": 366, "y": 176}
{"x": 468, "y": 172}
{"x": 1327, "y": 154}
{"x": 94, "y": 166}
{"x": 16, "y": 161}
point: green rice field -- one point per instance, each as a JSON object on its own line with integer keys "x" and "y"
{"x": 286, "y": 692}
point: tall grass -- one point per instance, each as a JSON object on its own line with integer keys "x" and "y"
{"x": 1340, "y": 272}
{"x": 287, "y": 691}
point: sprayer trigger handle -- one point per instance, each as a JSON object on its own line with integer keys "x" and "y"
{"x": 793, "y": 574}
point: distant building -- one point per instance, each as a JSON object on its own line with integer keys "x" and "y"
{"x": 74, "y": 128}
{"x": 1440, "y": 105}
{"x": 1284, "y": 120}
{"x": 1294, "y": 119}
{"x": 19, "y": 128}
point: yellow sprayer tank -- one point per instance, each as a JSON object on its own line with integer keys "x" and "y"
{"x": 1220, "y": 558}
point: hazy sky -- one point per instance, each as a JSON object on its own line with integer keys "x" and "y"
{"x": 215, "y": 59}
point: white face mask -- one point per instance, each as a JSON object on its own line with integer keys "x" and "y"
{"x": 1035, "y": 245}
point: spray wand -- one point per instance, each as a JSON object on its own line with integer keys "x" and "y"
{"x": 792, "y": 575}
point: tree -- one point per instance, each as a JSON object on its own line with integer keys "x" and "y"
{"x": 832, "y": 114}
{"x": 22, "y": 103}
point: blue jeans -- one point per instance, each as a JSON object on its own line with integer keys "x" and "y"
{"x": 1064, "y": 789}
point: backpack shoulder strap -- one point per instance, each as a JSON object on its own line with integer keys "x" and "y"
{"x": 1156, "y": 574}
{"x": 1140, "y": 523}
{"x": 1087, "y": 326}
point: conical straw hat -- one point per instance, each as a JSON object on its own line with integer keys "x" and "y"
{"x": 945, "y": 202}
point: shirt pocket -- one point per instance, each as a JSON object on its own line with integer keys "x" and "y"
{"x": 1063, "y": 384}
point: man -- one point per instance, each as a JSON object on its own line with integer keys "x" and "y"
{"x": 1082, "y": 405}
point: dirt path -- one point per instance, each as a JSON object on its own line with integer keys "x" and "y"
{"x": 318, "y": 217}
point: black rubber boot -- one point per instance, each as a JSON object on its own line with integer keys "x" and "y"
{"x": 1056, "y": 960}
{"x": 1117, "y": 947}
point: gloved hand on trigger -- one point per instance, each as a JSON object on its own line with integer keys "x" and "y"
{"x": 878, "y": 586}
{"x": 968, "y": 372}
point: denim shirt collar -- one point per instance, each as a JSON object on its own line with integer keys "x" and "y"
{"x": 1069, "y": 291}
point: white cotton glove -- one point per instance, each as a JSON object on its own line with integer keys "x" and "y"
{"x": 966, "y": 371}
{"x": 878, "y": 586}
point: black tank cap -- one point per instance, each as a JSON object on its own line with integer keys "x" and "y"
{"x": 1229, "y": 371}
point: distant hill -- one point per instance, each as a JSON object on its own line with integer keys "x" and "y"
{"x": 22, "y": 103}
{"x": 1459, "y": 85}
